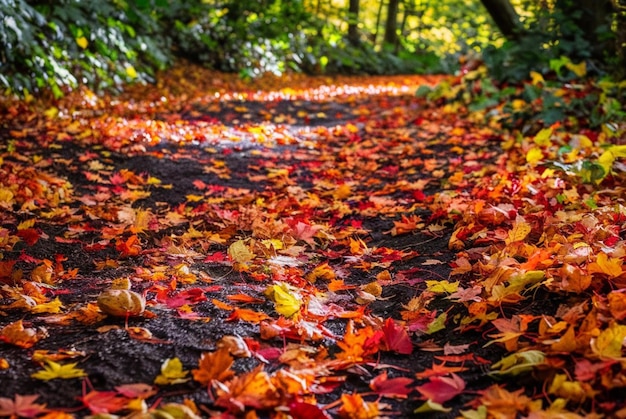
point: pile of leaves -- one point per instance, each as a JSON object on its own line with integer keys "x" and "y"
{"x": 310, "y": 247}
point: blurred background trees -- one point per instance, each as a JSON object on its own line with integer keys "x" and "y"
{"x": 57, "y": 45}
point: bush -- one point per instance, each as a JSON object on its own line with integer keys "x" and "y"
{"x": 59, "y": 46}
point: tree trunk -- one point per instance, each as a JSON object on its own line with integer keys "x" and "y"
{"x": 353, "y": 22}
{"x": 505, "y": 17}
{"x": 391, "y": 26}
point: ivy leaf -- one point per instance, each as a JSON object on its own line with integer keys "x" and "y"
{"x": 55, "y": 370}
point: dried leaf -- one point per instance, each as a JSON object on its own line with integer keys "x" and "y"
{"x": 172, "y": 372}
{"x": 214, "y": 366}
{"x": 21, "y": 406}
{"x": 54, "y": 370}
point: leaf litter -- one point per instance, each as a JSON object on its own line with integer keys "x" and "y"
{"x": 338, "y": 247}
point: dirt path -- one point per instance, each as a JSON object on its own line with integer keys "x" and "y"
{"x": 274, "y": 222}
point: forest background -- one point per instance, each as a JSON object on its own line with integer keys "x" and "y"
{"x": 56, "y": 46}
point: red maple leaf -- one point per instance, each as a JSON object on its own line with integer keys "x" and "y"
{"x": 396, "y": 338}
{"x": 391, "y": 387}
{"x": 104, "y": 401}
{"x": 21, "y": 406}
{"x": 442, "y": 389}
{"x": 300, "y": 410}
{"x": 29, "y": 235}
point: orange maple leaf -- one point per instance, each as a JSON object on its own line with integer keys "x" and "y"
{"x": 214, "y": 366}
{"x": 247, "y": 315}
{"x": 254, "y": 389}
{"x": 354, "y": 407}
{"x": 16, "y": 334}
{"x": 358, "y": 344}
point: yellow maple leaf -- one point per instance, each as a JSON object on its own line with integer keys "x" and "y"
{"x": 53, "y": 306}
{"x": 542, "y": 138}
{"x": 55, "y": 370}
{"x": 519, "y": 231}
{"x": 609, "y": 266}
{"x": 442, "y": 286}
{"x": 6, "y": 195}
{"x": 286, "y": 301}
{"x": 172, "y": 372}
{"x": 534, "y": 155}
{"x": 610, "y": 341}
{"x": 239, "y": 252}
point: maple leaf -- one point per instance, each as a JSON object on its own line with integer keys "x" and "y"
{"x": 137, "y": 390}
{"x": 609, "y": 266}
{"x": 53, "y": 306}
{"x": 253, "y": 389}
{"x": 305, "y": 232}
{"x": 519, "y": 363}
{"x": 358, "y": 344}
{"x": 323, "y": 271}
{"x": 214, "y": 366}
{"x": 407, "y": 225}
{"x": 246, "y": 315}
{"x": 396, "y": 338}
{"x": 570, "y": 390}
{"x": 439, "y": 370}
{"x": 354, "y": 407}
{"x": 54, "y": 370}
{"x": 239, "y": 252}
{"x": 25, "y": 337}
{"x": 300, "y": 410}
{"x": 286, "y": 301}
{"x": 172, "y": 372}
{"x": 21, "y": 406}
{"x": 128, "y": 247}
{"x": 442, "y": 389}
{"x": 610, "y": 341}
{"x": 391, "y": 387}
{"x": 102, "y": 402}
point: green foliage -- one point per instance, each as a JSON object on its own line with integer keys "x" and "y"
{"x": 550, "y": 33}
{"x": 61, "y": 45}
{"x": 57, "y": 46}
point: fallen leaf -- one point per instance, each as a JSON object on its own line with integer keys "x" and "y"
{"x": 398, "y": 387}
{"x": 54, "y": 370}
{"x": 21, "y": 406}
{"x": 214, "y": 366}
{"x": 172, "y": 372}
{"x": 441, "y": 389}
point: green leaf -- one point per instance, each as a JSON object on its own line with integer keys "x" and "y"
{"x": 430, "y": 406}
{"x": 438, "y": 324}
{"x": 518, "y": 363}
